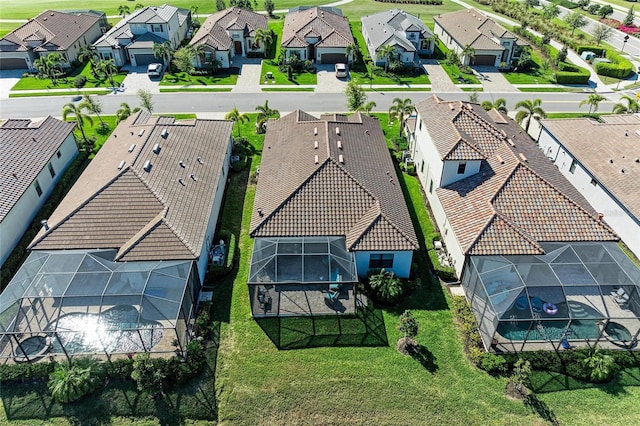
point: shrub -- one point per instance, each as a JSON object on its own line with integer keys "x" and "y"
{"x": 70, "y": 381}
{"x": 120, "y": 368}
{"x": 571, "y": 74}
{"x": 240, "y": 165}
{"x": 229, "y": 238}
{"x": 598, "y": 50}
{"x": 148, "y": 373}
{"x": 601, "y": 366}
{"x": 79, "y": 81}
{"x": 618, "y": 68}
{"x": 492, "y": 363}
{"x": 469, "y": 328}
{"x": 386, "y": 287}
{"x": 25, "y": 371}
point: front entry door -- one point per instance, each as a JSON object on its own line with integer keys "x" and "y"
{"x": 238, "y": 47}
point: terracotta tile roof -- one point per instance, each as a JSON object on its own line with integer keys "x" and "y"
{"x": 25, "y": 149}
{"x": 311, "y": 185}
{"x": 518, "y": 199}
{"x": 332, "y": 28}
{"x": 618, "y": 149}
{"x": 471, "y": 27}
{"x": 159, "y": 212}
{"x": 214, "y": 30}
{"x": 56, "y": 31}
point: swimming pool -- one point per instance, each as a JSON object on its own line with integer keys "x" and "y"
{"x": 117, "y": 330}
{"x": 551, "y": 330}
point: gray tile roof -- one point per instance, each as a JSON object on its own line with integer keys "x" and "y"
{"x": 309, "y": 189}
{"x": 472, "y": 27}
{"x": 56, "y": 31}
{"x": 617, "y": 149}
{"x": 322, "y": 22}
{"x": 25, "y": 149}
{"x": 519, "y": 199}
{"x": 389, "y": 27}
{"x": 158, "y": 214}
{"x": 214, "y": 30}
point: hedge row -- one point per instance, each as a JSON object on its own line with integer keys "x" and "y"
{"x": 445, "y": 273}
{"x": 598, "y": 50}
{"x": 433, "y": 2}
{"x": 618, "y": 68}
{"x": 571, "y": 74}
{"x": 469, "y": 328}
{"x": 25, "y": 371}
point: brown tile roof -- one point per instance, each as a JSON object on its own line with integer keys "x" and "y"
{"x": 617, "y": 149}
{"x": 310, "y": 185}
{"x": 214, "y": 30}
{"x": 332, "y": 28}
{"x": 56, "y": 31}
{"x": 473, "y": 28}
{"x": 158, "y": 214}
{"x": 518, "y": 199}
{"x": 25, "y": 149}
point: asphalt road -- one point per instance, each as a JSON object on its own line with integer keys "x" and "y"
{"x": 283, "y": 101}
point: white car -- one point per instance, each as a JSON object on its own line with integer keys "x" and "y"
{"x": 154, "y": 70}
{"x": 341, "y": 71}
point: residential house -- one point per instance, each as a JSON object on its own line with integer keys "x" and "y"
{"x": 132, "y": 39}
{"x": 492, "y": 44}
{"x": 35, "y": 155}
{"x": 328, "y": 208}
{"x": 395, "y": 27}
{"x": 606, "y": 173}
{"x": 228, "y": 33}
{"x": 319, "y": 34}
{"x": 534, "y": 258}
{"x": 50, "y": 32}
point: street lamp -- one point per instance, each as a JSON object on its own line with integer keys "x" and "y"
{"x": 624, "y": 42}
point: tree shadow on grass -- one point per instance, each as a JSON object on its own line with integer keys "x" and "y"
{"x": 426, "y": 358}
{"x": 542, "y": 409}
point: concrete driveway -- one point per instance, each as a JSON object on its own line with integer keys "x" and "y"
{"x": 8, "y": 79}
{"x": 492, "y": 79}
{"x": 327, "y": 81}
{"x": 138, "y": 79}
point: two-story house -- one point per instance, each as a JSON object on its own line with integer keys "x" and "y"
{"x": 132, "y": 39}
{"x": 228, "y": 33}
{"x": 492, "y": 44}
{"x": 395, "y": 27}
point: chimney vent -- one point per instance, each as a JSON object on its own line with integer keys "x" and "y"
{"x": 44, "y": 224}
{"x": 337, "y": 130}
{"x": 260, "y": 212}
{"x": 181, "y": 163}
{"x": 147, "y": 166}
{"x": 164, "y": 133}
{"x": 132, "y": 147}
{"x": 199, "y": 160}
{"x": 339, "y": 144}
{"x": 315, "y": 131}
{"x": 156, "y": 148}
{"x": 341, "y": 158}
{"x": 315, "y": 145}
{"x": 500, "y": 159}
{"x": 141, "y": 132}
{"x": 523, "y": 157}
{"x": 181, "y": 182}
{"x": 121, "y": 165}
{"x": 316, "y": 159}
{"x": 193, "y": 177}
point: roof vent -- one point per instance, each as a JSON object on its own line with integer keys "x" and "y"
{"x": 315, "y": 131}
{"x": 316, "y": 159}
{"x": 141, "y": 132}
{"x": 341, "y": 158}
{"x": 511, "y": 142}
{"x": 523, "y": 157}
{"x": 181, "y": 163}
{"x": 260, "y": 212}
{"x": 337, "y": 130}
{"x": 611, "y": 160}
{"x": 121, "y": 165}
{"x": 147, "y": 166}
{"x": 132, "y": 147}
{"x": 44, "y": 224}
{"x": 339, "y": 144}
{"x": 622, "y": 171}
{"x": 156, "y": 148}
{"x": 164, "y": 133}
{"x": 315, "y": 144}
{"x": 500, "y": 159}
{"x": 193, "y": 177}
{"x": 181, "y": 182}
{"x": 199, "y": 160}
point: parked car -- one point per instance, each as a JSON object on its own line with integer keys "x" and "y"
{"x": 154, "y": 70}
{"x": 341, "y": 71}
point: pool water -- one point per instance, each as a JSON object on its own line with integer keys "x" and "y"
{"x": 551, "y": 330}
{"x": 618, "y": 332}
{"x": 32, "y": 346}
{"x": 114, "y": 331}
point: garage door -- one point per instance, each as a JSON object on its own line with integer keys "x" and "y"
{"x": 484, "y": 60}
{"x": 332, "y": 58}
{"x": 13, "y": 64}
{"x": 146, "y": 59}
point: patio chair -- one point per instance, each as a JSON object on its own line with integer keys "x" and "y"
{"x": 618, "y": 293}
{"x": 331, "y": 296}
{"x": 622, "y": 300}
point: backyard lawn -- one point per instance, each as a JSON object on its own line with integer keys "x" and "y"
{"x": 221, "y": 77}
{"x": 34, "y": 83}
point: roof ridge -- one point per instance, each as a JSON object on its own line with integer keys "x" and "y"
{"x": 375, "y": 208}
{"x": 129, "y": 245}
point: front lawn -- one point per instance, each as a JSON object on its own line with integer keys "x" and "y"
{"x": 457, "y": 76}
{"x": 34, "y": 83}
{"x": 270, "y": 65}
{"x": 538, "y": 74}
{"x": 225, "y": 76}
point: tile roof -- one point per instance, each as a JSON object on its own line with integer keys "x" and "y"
{"x": 518, "y": 199}
{"x": 617, "y": 149}
{"x": 158, "y": 213}
{"x": 214, "y": 30}
{"x": 389, "y": 27}
{"x": 311, "y": 185}
{"x": 323, "y": 22}
{"x": 25, "y": 149}
{"x": 56, "y": 31}
{"x": 472, "y": 27}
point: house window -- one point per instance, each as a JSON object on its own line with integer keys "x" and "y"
{"x": 379, "y": 261}
{"x": 420, "y": 125}
{"x": 422, "y": 167}
{"x": 594, "y": 182}
{"x": 572, "y": 169}
{"x": 431, "y": 186}
{"x": 52, "y": 172}
{"x": 36, "y": 185}
{"x": 462, "y": 166}
{"x": 58, "y": 154}
{"x": 157, "y": 28}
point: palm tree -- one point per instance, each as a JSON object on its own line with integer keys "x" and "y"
{"x": 235, "y": 116}
{"x": 367, "y": 108}
{"x": 264, "y": 114}
{"x": 89, "y": 54}
{"x": 264, "y": 37}
{"x": 123, "y": 10}
{"x": 123, "y": 112}
{"x": 351, "y": 52}
{"x": 163, "y": 51}
{"x": 400, "y": 109}
{"x": 632, "y": 106}
{"x": 593, "y": 100}
{"x": 500, "y": 104}
{"x": 109, "y": 68}
{"x": 387, "y": 52}
{"x": 80, "y": 118}
{"x": 466, "y": 54}
{"x": 531, "y": 109}
{"x": 49, "y": 66}
{"x": 93, "y": 105}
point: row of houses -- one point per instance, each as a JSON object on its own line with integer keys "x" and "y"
{"x": 320, "y": 34}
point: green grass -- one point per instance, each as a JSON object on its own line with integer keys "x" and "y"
{"x": 454, "y": 72}
{"x": 396, "y": 89}
{"x": 472, "y": 89}
{"x": 288, "y": 89}
{"x": 34, "y": 83}
{"x": 358, "y": 8}
{"x": 197, "y": 89}
{"x": 224, "y": 76}
{"x": 549, "y": 89}
{"x": 61, "y": 93}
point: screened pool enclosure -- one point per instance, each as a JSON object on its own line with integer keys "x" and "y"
{"x": 70, "y": 302}
{"x": 575, "y": 294}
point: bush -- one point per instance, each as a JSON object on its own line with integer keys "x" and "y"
{"x": 70, "y": 381}
{"x": 492, "y": 363}
{"x": 148, "y": 373}
{"x": 618, "y": 68}
{"x": 571, "y": 74}
{"x": 385, "y": 287}
{"x": 79, "y": 81}
{"x": 469, "y": 328}
{"x": 229, "y": 239}
{"x": 25, "y": 371}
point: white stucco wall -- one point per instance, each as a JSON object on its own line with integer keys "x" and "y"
{"x": 426, "y": 153}
{"x": 401, "y": 262}
{"x": 20, "y": 216}
{"x": 616, "y": 215}
{"x": 448, "y": 235}
{"x": 450, "y": 171}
